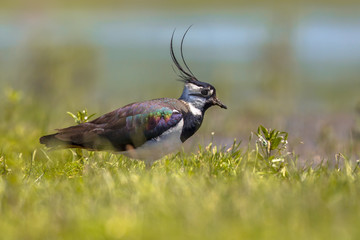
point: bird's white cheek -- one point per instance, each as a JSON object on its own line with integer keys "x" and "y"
{"x": 195, "y": 111}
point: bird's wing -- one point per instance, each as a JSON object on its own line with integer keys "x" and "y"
{"x": 124, "y": 128}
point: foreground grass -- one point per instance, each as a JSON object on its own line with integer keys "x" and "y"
{"x": 214, "y": 194}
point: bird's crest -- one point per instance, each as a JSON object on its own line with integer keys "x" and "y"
{"x": 185, "y": 74}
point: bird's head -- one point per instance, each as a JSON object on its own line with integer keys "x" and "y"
{"x": 200, "y": 95}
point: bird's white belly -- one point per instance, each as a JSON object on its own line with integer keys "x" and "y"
{"x": 160, "y": 146}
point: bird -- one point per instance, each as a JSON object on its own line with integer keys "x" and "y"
{"x": 145, "y": 130}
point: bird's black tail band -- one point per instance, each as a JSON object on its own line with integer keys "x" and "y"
{"x": 51, "y": 140}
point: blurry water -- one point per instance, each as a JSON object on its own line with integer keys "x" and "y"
{"x": 315, "y": 38}
{"x": 242, "y": 49}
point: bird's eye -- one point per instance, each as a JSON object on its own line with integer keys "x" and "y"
{"x": 205, "y": 92}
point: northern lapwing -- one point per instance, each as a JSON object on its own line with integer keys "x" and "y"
{"x": 145, "y": 130}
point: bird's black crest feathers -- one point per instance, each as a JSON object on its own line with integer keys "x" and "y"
{"x": 185, "y": 74}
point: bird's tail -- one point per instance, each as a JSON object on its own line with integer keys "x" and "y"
{"x": 80, "y": 136}
{"x": 52, "y": 141}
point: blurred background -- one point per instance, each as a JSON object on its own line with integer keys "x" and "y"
{"x": 290, "y": 66}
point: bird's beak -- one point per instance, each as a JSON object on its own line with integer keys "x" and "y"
{"x": 220, "y": 104}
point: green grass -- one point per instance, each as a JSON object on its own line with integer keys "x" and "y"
{"x": 214, "y": 194}
{"x": 254, "y": 191}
